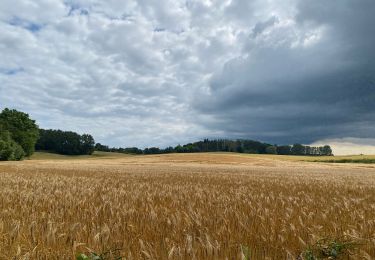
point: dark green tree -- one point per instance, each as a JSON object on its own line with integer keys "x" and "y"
{"x": 271, "y": 150}
{"x": 326, "y": 150}
{"x": 103, "y": 148}
{"x": 65, "y": 142}
{"x": 152, "y": 150}
{"x": 9, "y": 149}
{"x": 22, "y": 129}
{"x": 87, "y": 144}
{"x": 298, "y": 149}
{"x": 284, "y": 150}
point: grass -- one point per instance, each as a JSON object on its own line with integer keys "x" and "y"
{"x": 53, "y": 156}
{"x": 331, "y": 248}
{"x": 181, "y": 206}
{"x": 337, "y": 160}
{"x": 109, "y": 255}
{"x": 368, "y": 159}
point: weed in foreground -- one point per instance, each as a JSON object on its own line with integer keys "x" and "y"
{"x": 331, "y": 248}
{"x": 108, "y": 255}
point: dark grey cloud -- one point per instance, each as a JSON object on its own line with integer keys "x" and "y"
{"x": 166, "y": 72}
{"x": 261, "y": 26}
{"x": 317, "y": 82}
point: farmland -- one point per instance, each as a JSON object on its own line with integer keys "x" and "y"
{"x": 182, "y": 206}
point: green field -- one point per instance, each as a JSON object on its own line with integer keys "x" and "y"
{"x": 349, "y": 159}
{"x": 323, "y": 159}
{"x": 54, "y": 156}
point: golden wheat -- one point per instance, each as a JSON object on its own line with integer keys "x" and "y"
{"x": 201, "y": 206}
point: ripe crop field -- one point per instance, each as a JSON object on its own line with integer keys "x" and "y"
{"x": 183, "y": 206}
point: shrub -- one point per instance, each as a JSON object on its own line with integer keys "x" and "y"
{"x": 9, "y": 149}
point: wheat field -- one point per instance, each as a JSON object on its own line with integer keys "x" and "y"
{"x": 182, "y": 206}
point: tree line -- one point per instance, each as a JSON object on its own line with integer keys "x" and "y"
{"x": 65, "y": 142}
{"x": 226, "y": 145}
{"x": 20, "y": 136}
{"x": 128, "y": 150}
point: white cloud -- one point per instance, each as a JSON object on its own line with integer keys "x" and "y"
{"x": 163, "y": 72}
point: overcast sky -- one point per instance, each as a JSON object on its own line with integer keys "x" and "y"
{"x": 157, "y": 73}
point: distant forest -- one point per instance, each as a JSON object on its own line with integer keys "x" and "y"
{"x": 226, "y": 145}
{"x": 20, "y": 136}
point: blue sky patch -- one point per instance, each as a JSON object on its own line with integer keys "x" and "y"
{"x": 30, "y": 26}
{"x": 11, "y": 71}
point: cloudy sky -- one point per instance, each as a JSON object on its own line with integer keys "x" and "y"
{"x": 157, "y": 73}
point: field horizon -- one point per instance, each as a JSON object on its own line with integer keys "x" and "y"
{"x": 47, "y": 155}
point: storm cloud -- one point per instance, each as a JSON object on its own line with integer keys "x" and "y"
{"x": 165, "y": 72}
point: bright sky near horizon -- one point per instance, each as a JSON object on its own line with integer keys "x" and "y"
{"x": 158, "y": 73}
{"x": 350, "y": 146}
